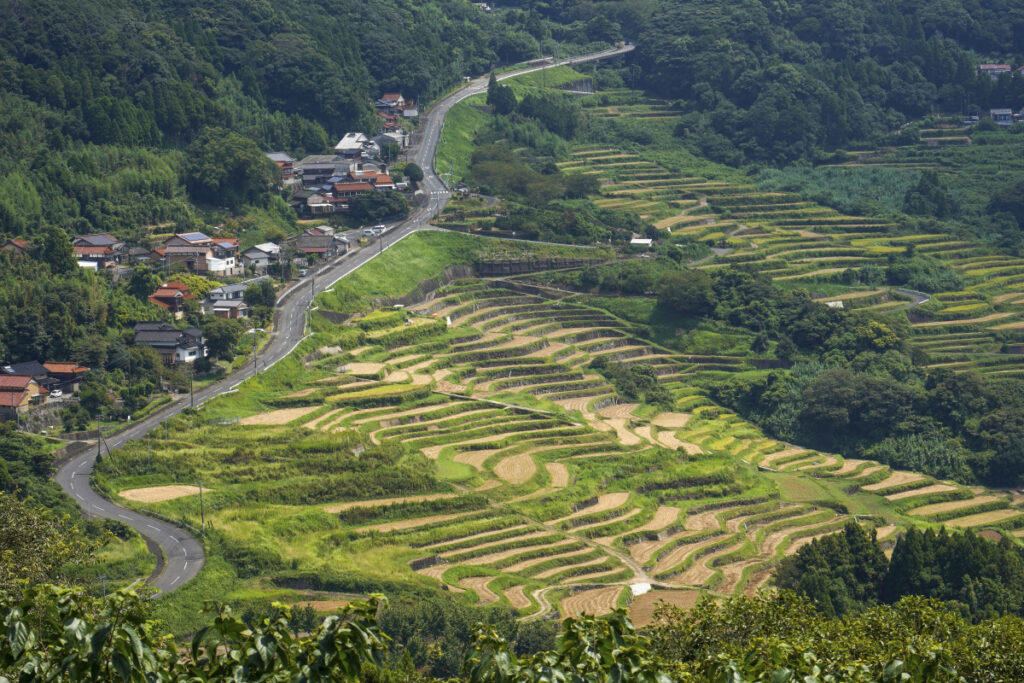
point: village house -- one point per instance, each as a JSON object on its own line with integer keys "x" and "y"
{"x": 993, "y": 71}
{"x": 99, "y": 251}
{"x": 315, "y": 244}
{"x": 17, "y": 394}
{"x": 173, "y": 345}
{"x": 204, "y": 255}
{"x": 1004, "y": 117}
{"x": 261, "y": 256}
{"x": 286, "y": 164}
{"x": 15, "y": 246}
{"x": 172, "y": 296}
{"x": 68, "y": 375}
{"x": 53, "y": 377}
{"x": 354, "y": 145}
{"x": 232, "y": 309}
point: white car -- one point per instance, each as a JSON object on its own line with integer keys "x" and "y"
{"x": 56, "y": 393}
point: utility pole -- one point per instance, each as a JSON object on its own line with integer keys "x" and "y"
{"x": 202, "y": 511}
{"x": 191, "y": 392}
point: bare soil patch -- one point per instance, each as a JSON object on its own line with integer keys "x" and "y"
{"x": 157, "y": 494}
{"x": 936, "y": 508}
{"x": 779, "y": 455}
{"x": 622, "y": 410}
{"x": 517, "y": 597}
{"x": 363, "y": 369}
{"x": 671, "y": 421}
{"x": 526, "y": 564}
{"x": 923, "y": 491}
{"x": 628, "y": 515}
{"x": 277, "y": 417}
{"x": 512, "y": 552}
{"x": 598, "y": 602}
{"x": 626, "y": 437}
{"x": 606, "y": 501}
{"x": 474, "y": 458}
{"x": 849, "y": 465}
{"x": 338, "y": 507}
{"x": 481, "y": 534}
{"x": 413, "y": 523}
{"x": 973, "y": 321}
{"x": 516, "y": 469}
{"x": 559, "y": 474}
{"x": 302, "y": 392}
{"x": 991, "y": 535}
{"x": 499, "y": 542}
{"x": 557, "y": 570}
{"x": 478, "y": 584}
{"x": 680, "y": 553}
{"x": 897, "y": 478}
{"x": 886, "y": 531}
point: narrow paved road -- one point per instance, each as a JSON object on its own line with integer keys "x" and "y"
{"x": 182, "y": 553}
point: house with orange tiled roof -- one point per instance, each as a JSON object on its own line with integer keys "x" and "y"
{"x": 68, "y": 374}
{"x": 17, "y": 394}
{"x": 172, "y": 296}
{"x": 15, "y": 246}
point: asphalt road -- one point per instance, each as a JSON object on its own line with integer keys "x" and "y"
{"x": 182, "y": 554}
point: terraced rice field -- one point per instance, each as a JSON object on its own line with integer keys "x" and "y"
{"x": 583, "y": 494}
{"x": 795, "y": 241}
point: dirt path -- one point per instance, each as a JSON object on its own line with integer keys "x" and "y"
{"x": 516, "y": 469}
{"x": 597, "y": 602}
{"x": 478, "y": 584}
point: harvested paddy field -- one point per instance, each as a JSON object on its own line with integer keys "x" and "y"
{"x": 156, "y": 494}
{"x": 277, "y": 417}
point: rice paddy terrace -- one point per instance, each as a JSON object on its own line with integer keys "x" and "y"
{"x": 805, "y": 244}
{"x": 555, "y": 497}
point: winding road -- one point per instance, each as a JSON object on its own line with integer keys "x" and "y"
{"x": 179, "y": 554}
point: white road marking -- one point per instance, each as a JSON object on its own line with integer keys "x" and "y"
{"x": 186, "y": 565}
{"x": 124, "y": 517}
{"x": 176, "y": 580}
{"x": 153, "y": 527}
{"x": 72, "y": 484}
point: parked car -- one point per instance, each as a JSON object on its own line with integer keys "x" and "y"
{"x": 56, "y": 393}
